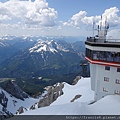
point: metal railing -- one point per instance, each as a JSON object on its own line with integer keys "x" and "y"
{"x": 112, "y": 40}
{"x": 94, "y": 39}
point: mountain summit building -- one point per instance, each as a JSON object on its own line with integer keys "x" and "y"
{"x": 104, "y": 58}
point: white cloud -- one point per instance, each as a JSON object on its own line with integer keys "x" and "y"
{"x": 30, "y": 13}
{"x": 76, "y": 19}
{"x": 114, "y": 34}
{"x": 10, "y": 26}
{"x": 81, "y": 18}
{"x": 112, "y": 16}
{"x": 59, "y": 28}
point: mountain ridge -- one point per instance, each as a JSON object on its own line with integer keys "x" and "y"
{"x": 56, "y": 61}
{"x": 44, "y": 54}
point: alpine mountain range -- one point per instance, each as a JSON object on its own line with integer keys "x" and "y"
{"x": 31, "y": 61}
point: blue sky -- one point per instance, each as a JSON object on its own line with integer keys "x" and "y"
{"x": 66, "y": 8}
{"x": 56, "y": 17}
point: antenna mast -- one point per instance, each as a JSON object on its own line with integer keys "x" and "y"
{"x": 101, "y": 23}
{"x": 106, "y": 26}
{"x": 93, "y": 26}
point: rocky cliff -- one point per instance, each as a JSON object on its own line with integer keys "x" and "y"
{"x": 50, "y": 94}
{"x": 4, "y": 113}
{"x": 75, "y": 81}
{"x": 53, "y": 92}
{"x": 15, "y": 90}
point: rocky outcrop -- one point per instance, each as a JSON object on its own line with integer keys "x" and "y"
{"x": 50, "y": 95}
{"x": 3, "y": 99}
{"x": 53, "y": 92}
{"x": 4, "y": 113}
{"x": 76, "y": 80}
{"x": 33, "y": 106}
{"x": 15, "y": 90}
{"x": 21, "y": 110}
{"x": 75, "y": 98}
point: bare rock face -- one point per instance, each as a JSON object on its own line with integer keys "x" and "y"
{"x": 21, "y": 110}
{"x": 15, "y": 90}
{"x": 76, "y": 80}
{"x": 3, "y": 101}
{"x": 53, "y": 92}
{"x": 44, "y": 102}
{"x": 33, "y": 106}
{"x": 75, "y": 98}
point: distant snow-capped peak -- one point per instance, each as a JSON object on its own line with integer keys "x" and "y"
{"x": 48, "y": 45}
{"x": 28, "y": 39}
{"x": 7, "y": 37}
{"x": 3, "y": 44}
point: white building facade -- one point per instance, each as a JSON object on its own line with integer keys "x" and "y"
{"x": 104, "y": 58}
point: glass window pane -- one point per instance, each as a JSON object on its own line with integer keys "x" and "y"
{"x": 118, "y": 69}
{"x": 107, "y": 67}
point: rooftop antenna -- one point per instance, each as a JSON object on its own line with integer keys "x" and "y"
{"x": 93, "y": 26}
{"x": 98, "y": 28}
{"x": 106, "y": 25}
{"x": 101, "y": 23}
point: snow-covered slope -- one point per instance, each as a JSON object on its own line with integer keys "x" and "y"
{"x": 63, "y": 104}
{"x": 14, "y": 104}
{"x": 84, "y": 105}
{"x": 83, "y": 88}
{"x": 2, "y": 44}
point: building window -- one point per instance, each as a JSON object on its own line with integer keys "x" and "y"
{"x": 109, "y": 56}
{"x": 118, "y": 69}
{"x": 117, "y": 81}
{"x": 117, "y": 92}
{"x": 116, "y": 57}
{"x": 103, "y": 55}
{"x": 105, "y": 90}
{"x": 107, "y": 67}
{"x": 106, "y": 79}
{"x": 95, "y": 55}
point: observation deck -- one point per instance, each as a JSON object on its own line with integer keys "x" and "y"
{"x": 95, "y": 41}
{"x": 103, "y": 51}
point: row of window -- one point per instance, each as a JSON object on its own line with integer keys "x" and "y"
{"x": 115, "y": 92}
{"x": 103, "y": 55}
{"x": 106, "y": 79}
{"x": 108, "y": 68}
